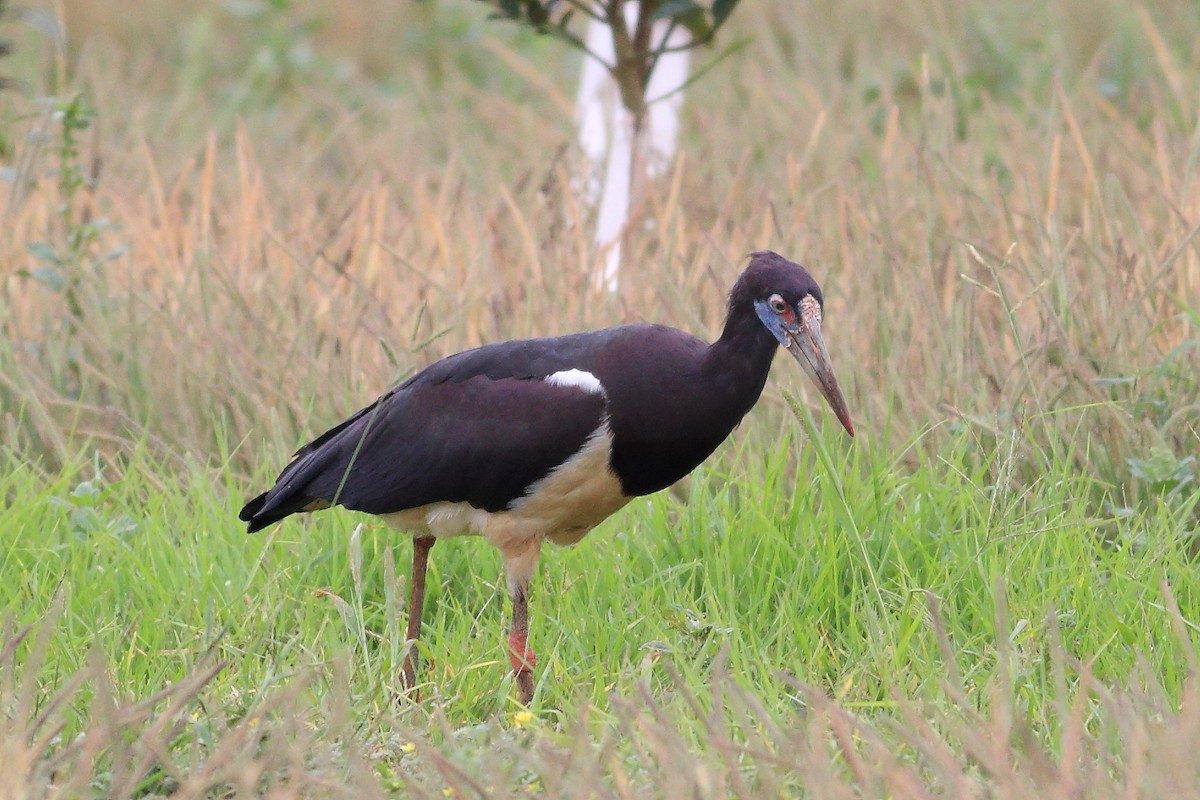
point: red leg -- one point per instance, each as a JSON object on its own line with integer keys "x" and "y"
{"x": 520, "y": 654}
{"x": 416, "y": 607}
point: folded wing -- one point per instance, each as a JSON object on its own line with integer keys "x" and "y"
{"x": 474, "y": 438}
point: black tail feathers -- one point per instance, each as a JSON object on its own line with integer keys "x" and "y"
{"x": 268, "y": 508}
{"x": 250, "y": 511}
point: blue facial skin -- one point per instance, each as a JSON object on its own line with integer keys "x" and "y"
{"x": 778, "y": 328}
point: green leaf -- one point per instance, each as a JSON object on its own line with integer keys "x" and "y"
{"x": 686, "y": 13}
{"x": 43, "y": 252}
{"x": 697, "y": 23}
{"x": 86, "y": 493}
{"x": 673, "y": 8}
{"x": 721, "y": 9}
{"x": 1163, "y": 471}
{"x": 51, "y": 277}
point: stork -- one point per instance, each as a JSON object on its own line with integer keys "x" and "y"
{"x": 542, "y": 439}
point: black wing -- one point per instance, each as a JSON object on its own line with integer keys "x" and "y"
{"x": 465, "y": 430}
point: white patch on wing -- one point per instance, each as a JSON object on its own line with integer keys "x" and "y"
{"x": 577, "y": 378}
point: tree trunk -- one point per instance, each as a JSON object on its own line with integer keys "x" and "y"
{"x": 617, "y": 129}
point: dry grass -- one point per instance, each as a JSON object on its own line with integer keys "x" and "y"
{"x": 1010, "y": 244}
{"x": 1110, "y": 743}
{"x": 169, "y": 744}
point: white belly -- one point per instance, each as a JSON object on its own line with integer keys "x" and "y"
{"x": 563, "y": 506}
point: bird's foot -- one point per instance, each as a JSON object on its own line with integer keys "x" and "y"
{"x": 523, "y": 660}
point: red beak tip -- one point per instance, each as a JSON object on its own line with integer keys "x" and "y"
{"x": 847, "y": 424}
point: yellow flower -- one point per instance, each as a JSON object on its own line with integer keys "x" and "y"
{"x": 407, "y": 747}
{"x": 522, "y": 718}
{"x": 448, "y": 791}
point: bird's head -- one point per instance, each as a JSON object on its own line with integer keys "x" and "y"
{"x": 789, "y": 302}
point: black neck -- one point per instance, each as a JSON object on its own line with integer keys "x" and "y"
{"x": 739, "y": 361}
{"x": 702, "y": 403}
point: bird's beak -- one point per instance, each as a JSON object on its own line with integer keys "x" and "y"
{"x": 807, "y": 346}
{"x": 800, "y": 334}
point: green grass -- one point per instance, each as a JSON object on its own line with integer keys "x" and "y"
{"x": 806, "y": 560}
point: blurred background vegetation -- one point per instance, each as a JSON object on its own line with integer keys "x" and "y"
{"x": 243, "y": 216}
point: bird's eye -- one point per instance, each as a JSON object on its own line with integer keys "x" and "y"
{"x": 776, "y": 304}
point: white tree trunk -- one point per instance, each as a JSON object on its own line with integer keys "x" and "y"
{"x": 606, "y": 135}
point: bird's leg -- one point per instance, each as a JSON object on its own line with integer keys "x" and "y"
{"x": 416, "y": 605}
{"x": 520, "y": 654}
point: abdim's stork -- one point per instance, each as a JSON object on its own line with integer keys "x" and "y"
{"x": 540, "y": 439}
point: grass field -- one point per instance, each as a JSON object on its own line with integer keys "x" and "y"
{"x": 227, "y": 225}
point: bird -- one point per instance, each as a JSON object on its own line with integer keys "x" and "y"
{"x": 531, "y": 440}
